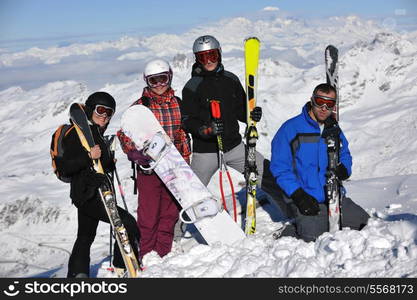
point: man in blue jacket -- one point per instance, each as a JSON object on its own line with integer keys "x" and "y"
{"x": 299, "y": 165}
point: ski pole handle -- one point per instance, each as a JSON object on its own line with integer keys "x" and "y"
{"x": 215, "y": 109}
{"x": 216, "y": 114}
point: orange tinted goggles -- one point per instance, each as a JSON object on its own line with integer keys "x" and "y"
{"x": 102, "y": 110}
{"x": 204, "y": 57}
{"x": 323, "y": 101}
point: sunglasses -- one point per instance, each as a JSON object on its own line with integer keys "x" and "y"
{"x": 102, "y": 111}
{"x": 204, "y": 57}
{"x": 323, "y": 101}
{"x": 161, "y": 79}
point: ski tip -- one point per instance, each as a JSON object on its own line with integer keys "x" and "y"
{"x": 252, "y": 38}
{"x": 76, "y": 105}
{"x": 332, "y": 48}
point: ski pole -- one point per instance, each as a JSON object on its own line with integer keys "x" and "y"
{"x": 111, "y": 246}
{"x": 122, "y": 193}
{"x": 216, "y": 114}
{"x": 112, "y": 147}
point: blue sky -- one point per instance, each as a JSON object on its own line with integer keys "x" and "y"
{"x": 49, "y": 21}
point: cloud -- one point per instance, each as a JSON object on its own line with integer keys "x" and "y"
{"x": 97, "y": 64}
{"x": 54, "y": 55}
{"x": 270, "y": 8}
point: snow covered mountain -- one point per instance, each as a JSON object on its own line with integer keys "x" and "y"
{"x": 378, "y": 115}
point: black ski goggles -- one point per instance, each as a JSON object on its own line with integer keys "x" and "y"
{"x": 103, "y": 111}
{"x": 323, "y": 101}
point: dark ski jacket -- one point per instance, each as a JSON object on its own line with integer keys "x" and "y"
{"x": 218, "y": 85}
{"x": 299, "y": 156}
{"x": 77, "y": 165}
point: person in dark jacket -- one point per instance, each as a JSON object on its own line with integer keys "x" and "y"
{"x": 76, "y": 163}
{"x": 299, "y": 164}
{"x": 158, "y": 211}
{"x": 210, "y": 81}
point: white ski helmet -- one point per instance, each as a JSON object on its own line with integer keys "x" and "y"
{"x": 157, "y": 67}
{"x": 206, "y": 42}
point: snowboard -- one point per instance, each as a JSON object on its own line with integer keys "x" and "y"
{"x": 202, "y": 209}
{"x": 85, "y": 135}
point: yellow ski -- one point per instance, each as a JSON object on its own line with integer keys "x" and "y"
{"x": 252, "y": 46}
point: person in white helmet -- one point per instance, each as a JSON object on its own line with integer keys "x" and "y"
{"x": 210, "y": 81}
{"x": 158, "y": 210}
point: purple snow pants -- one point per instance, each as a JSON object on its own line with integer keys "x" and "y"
{"x": 157, "y": 214}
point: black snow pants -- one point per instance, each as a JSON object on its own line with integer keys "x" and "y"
{"x": 89, "y": 214}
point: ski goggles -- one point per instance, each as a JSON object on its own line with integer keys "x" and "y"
{"x": 204, "y": 57}
{"x": 156, "y": 80}
{"x": 323, "y": 101}
{"x": 102, "y": 111}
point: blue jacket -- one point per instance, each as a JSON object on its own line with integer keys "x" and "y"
{"x": 299, "y": 156}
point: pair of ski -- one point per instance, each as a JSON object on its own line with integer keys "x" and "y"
{"x": 251, "y": 53}
{"x": 333, "y": 184}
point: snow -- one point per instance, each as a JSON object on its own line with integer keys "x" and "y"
{"x": 378, "y": 115}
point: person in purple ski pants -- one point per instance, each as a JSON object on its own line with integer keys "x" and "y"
{"x": 158, "y": 211}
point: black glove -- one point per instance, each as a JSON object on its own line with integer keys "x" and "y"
{"x": 84, "y": 186}
{"x": 256, "y": 113}
{"x": 331, "y": 128}
{"x": 307, "y": 205}
{"x": 341, "y": 172}
{"x": 215, "y": 128}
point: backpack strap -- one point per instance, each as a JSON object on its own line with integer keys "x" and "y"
{"x": 146, "y": 101}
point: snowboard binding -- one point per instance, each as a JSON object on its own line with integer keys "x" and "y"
{"x": 205, "y": 208}
{"x": 156, "y": 148}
